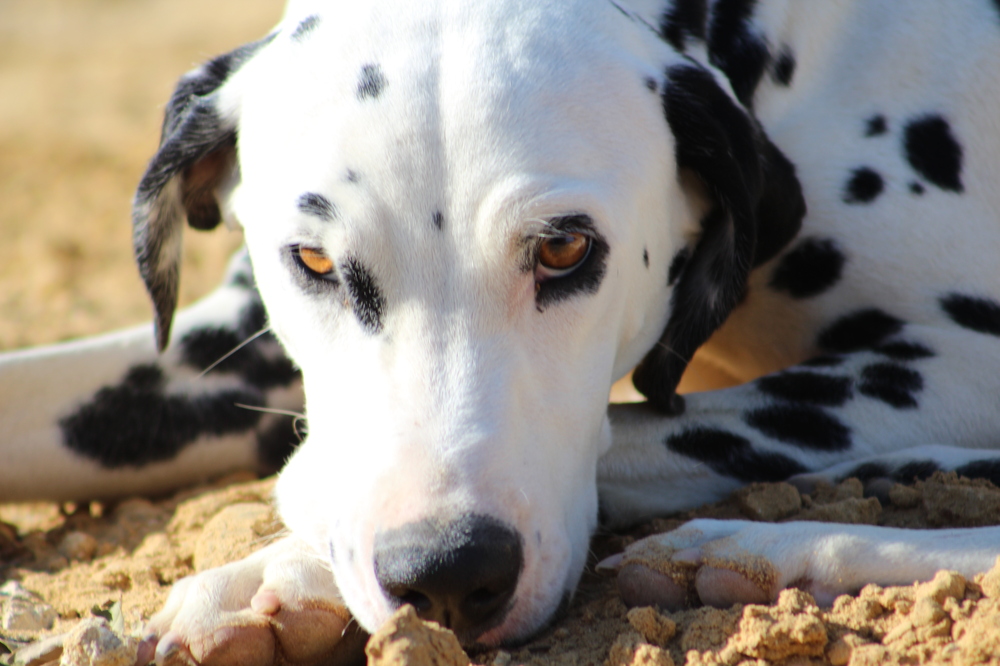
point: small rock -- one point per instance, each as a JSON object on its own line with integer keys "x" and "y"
{"x": 945, "y": 584}
{"x": 853, "y": 510}
{"x": 20, "y": 610}
{"x": 769, "y": 501}
{"x": 93, "y": 643}
{"x": 78, "y": 546}
{"x": 990, "y": 581}
{"x": 630, "y": 650}
{"x": 655, "y": 628}
{"x": 904, "y": 497}
{"x": 927, "y": 612}
{"x": 406, "y": 639}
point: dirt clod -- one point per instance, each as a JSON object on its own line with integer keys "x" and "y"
{"x": 406, "y": 639}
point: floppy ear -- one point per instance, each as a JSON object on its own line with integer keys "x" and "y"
{"x": 196, "y": 159}
{"x": 755, "y": 209}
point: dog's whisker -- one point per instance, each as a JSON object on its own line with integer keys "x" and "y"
{"x": 235, "y": 349}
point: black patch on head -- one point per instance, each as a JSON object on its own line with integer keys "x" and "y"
{"x": 916, "y": 470}
{"x": 587, "y": 277}
{"x": 804, "y": 386}
{"x": 904, "y": 351}
{"x": 277, "y": 442}
{"x": 650, "y": 84}
{"x": 978, "y": 314}
{"x": 645, "y": 257}
{"x": 735, "y": 49}
{"x": 366, "y": 297}
{"x": 307, "y": 25}
{"x": 876, "y": 125}
{"x": 801, "y": 425}
{"x": 981, "y": 469}
{"x": 784, "y": 67}
{"x": 916, "y": 188}
{"x": 865, "y": 472}
{"x": 732, "y": 455}
{"x": 372, "y": 82}
{"x": 859, "y": 330}
{"x": 677, "y": 265}
{"x": 685, "y": 19}
{"x": 891, "y": 383}
{"x": 863, "y": 186}
{"x": 812, "y": 267}
{"x": 933, "y": 152}
{"x": 824, "y": 361}
{"x": 136, "y": 423}
{"x": 438, "y": 219}
{"x": 352, "y": 176}
{"x": 317, "y": 205}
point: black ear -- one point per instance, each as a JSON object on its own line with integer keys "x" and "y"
{"x": 755, "y": 208}
{"x": 196, "y": 159}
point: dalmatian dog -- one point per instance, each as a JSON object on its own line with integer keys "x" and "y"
{"x": 464, "y": 221}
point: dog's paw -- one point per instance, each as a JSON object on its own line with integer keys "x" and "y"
{"x": 722, "y": 562}
{"x": 278, "y": 606}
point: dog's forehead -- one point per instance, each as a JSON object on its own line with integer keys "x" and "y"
{"x": 422, "y": 102}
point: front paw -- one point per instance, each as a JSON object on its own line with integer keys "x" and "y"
{"x": 278, "y": 606}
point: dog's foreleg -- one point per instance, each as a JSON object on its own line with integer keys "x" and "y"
{"x": 108, "y": 416}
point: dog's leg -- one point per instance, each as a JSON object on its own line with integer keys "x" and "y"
{"x": 108, "y": 416}
{"x": 278, "y": 606}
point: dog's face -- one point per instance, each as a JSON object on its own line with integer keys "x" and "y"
{"x": 465, "y": 224}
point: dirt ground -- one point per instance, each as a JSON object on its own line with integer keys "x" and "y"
{"x": 82, "y": 85}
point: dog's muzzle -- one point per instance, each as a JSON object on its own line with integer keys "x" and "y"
{"x": 461, "y": 574}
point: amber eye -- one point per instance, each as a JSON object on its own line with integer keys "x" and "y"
{"x": 561, "y": 254}
{"x": 315, "y": 261}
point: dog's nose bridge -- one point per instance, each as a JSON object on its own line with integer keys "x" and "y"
{"x": 461, "y": 574}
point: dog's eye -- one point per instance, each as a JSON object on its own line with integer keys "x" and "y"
{"x": 559, "y": 255}
{"x": 315, "y": 260}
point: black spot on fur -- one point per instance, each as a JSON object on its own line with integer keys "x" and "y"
{"x": 677, "y": 265}
{"x": 784, "y": 67}
{"x": 864, "y": 186}
{"x": 859, "y": 330}
{"x": 371, "y": 83}
{"x": 891, "y": 383}
{"x": 916, "y": 188}
{"x": 317, "y": 205}
{"x": 685, "y": 19}
{"x": 981, "y": 469}
{"x": 867, "y": 471}
{"x": 734, "y": 48}
{"x": 904, "y": 351}
{"x": 732, "y": 455}
{"x": 811, "y": 268}
{"x": 136, "y": 422}
{"x": 277, "y": 442}
{"x": 804, "y": 386}
{"x": 978, "y": 314}
{"x": 645, "y": 257}
{"x": 352, "y": 176}
{"x": 366, "y": 297}
{"x": 933, "y": 152}
{"x": 307, "y": 25}
{"x": 824, "y": 361}
{"x": 650, "y": 84}
{"x": 438, "y": 219}
{"x": 876, "y": 125}
{"x": 801, "y": 425}
{"x": 916, "y": 470}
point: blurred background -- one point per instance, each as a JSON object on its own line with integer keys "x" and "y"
{"x": 83, "y": 85}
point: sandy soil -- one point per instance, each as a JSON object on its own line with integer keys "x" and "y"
{"x": 82, "y": 84}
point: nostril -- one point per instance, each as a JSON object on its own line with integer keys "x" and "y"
{"x": 420, "y": 602}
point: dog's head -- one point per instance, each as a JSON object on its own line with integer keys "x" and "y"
{"x": 466, "y": 222}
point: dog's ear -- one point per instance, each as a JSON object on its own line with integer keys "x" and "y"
{"x": 196, "y": 159}
{"x": 755, "y": 207}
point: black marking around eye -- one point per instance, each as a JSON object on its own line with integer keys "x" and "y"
{"x": 876, "y": 125}
{"x": 859, "y": 330}
{"x": 904, "y": 351}
{"x": 372, "y": 82}
{"x": 587, "y": 277}
{"x": 864, "y": 185}
{"x": 307, "y": 25}
{"x": 812, "y": 267}
{"x": 317, "y": 205}
{"x": 978, "y": 314}
{"x": 933, "y": 152}
{"x": 801, "y": 425}
{"x": 804, "y": 386}
{"x": 784, "y": 67}
{"x": 366, "y": 297}
{"x": 732, "y": 455}
{"x": 677, "y": 266}
{"x": 438, "y": 219}
{"x": 136, "y": 422}
{"x": 891, "y": 383}
{"x": 686, "y": 18}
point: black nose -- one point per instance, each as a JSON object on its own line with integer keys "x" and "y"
{"x": 460, "y": 574}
